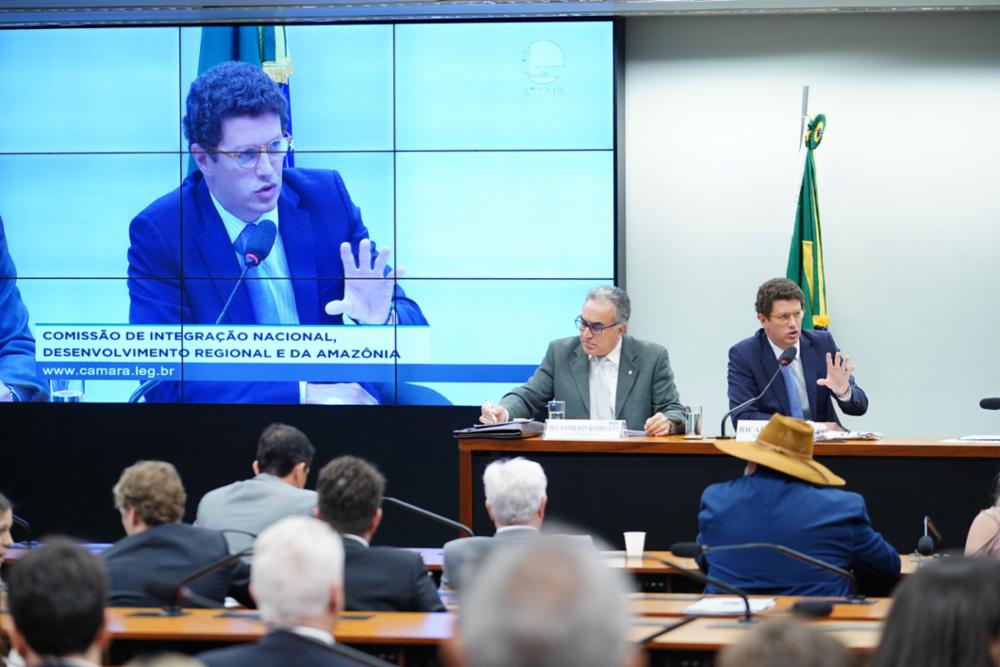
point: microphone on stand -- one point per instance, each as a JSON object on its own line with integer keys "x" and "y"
{"x": 927, "y": 545}
{"x": 173, "y": 593}
{"x": 787, "y": 357}
{"x": 702, "y": 578}
{"x": 258, "y": 247}
{"x": 26, "y": 525}
{"x": 427, "y": 514}
{"x": 693, "y": 550}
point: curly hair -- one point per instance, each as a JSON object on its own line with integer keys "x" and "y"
{"x": 154, "y": 490}
{"x": 777, "y": 289}
{"x": 229, "y": 90}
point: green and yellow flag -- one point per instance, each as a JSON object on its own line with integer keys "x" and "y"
{"x": 805, "y": 258}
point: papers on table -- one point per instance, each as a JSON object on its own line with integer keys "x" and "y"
{"x": 833, "y": 436}
{"x": 974, "y": 438}
{"x": 727, "y": 606}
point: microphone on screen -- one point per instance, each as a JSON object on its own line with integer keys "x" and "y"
{"x": 693, "y": 550}
{"x": 990, "y": 404}
{"x": 787, "y": 357}
{"x": 258, "y": 247}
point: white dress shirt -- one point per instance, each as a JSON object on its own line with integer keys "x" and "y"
{"x": 607, "y": 366}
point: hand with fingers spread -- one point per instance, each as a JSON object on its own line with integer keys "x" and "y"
{"x": 368, "y": 289}
{"x": 838, "y": 375}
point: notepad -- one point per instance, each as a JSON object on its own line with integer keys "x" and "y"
{"x": 727, "y": 606}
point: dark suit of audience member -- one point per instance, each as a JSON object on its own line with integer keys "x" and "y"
{"x": 464, "y": 555}
{"x": 376, "y": 578}
{"x": 298, "y": 566}
{"x": 170, "y": 552}
{"x": 788, "y": 498}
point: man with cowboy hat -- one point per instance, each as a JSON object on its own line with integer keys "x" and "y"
{"x": 786, "y": 497}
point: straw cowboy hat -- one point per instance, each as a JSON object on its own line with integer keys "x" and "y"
{"x": 785, "y": 445}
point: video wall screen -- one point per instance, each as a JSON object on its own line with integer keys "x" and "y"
{"x": 152, "y": 265}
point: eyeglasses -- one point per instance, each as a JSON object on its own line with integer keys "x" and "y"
{"x": 596, "y": 328}
{"x": 248, "y": 158}
{"x": 788, "y": 317}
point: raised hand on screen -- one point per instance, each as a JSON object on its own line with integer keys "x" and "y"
{"x": 838, "y": 374}
{"x": 367, "y": 288}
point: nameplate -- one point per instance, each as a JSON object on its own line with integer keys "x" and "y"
{"x": 584, "y": 429}
{"x": 747, "y": 430}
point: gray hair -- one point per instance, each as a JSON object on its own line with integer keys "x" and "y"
{"x": 616, "y": 296}
{"x": 547, "y": 602}
{"x": 514, "y": 489}
{"x": 296, "y": 563}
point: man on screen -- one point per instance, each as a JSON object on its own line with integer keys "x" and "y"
{"x": 186, "y": 247}
{"x": 601, "y": 374}
{"x": 18, "y": 380}
{"x": 800, "y": 391}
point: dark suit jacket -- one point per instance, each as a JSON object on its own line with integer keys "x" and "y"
{"x": 645, "y": 383}
{"x": 17, "y": 346}
{"x": 170, "y": 552}
{"x": 278, "y": 648}
{"x": 752, "y": 363}
{"x": 464, "y": 555}
{"x": 386, "y": 579}
{"x": 825, "y": 522}
{"x": 181, "y": 269}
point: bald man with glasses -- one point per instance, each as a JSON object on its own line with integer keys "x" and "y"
{"x": 603, "y": 373}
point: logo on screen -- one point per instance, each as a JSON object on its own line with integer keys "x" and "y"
{"x": 543, "y": 62}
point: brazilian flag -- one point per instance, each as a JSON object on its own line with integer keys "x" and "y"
{"x": 264, "y": 46}
{"x": 805, "y": 258}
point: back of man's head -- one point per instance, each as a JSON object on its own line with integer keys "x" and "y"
{"x": 549, "y": 602}
{"x": 515, "y": 490}
{"x": 154, "y": 490}
{"x": 298, "y": 564}
{"x": 56, "y": 597}
{"x": 350, "y": 493}
{"x": 281, "y": 447}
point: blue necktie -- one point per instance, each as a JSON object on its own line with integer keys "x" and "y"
{"x": 794, "y": 402}
{"x": 265, "y": 310}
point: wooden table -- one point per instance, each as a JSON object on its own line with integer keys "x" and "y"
{"x": 708, "y": 635}
{"x": 673, "y": 605}
{"x": 638, "y": 479}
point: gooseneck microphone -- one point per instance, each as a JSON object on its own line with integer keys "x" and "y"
{"x": 693, "y": 549}
{"x": 927, "y": 545}
{"x": 702, "y": 578}
{"x": 787, "y": 357}
{"x": 990, "y": 404}
{"x": 427, "y": 514}
{"x": 173, "y": 593}
{"x": 259, "y": 244}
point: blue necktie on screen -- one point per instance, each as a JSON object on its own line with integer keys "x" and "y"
{"x": 265, "y": 309}
{"x": 794, "y": 402}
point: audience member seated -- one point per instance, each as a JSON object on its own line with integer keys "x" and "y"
{"x": 150, "y": 497}
{"x": 298, "y": 582}
{"x": 946, "y": 614}
{"x": 56, "y": 598}
{"x": 375, "y": 578}
{"x": 243, "y": 509}
{"x": 543, "y": 603}
{"x": 785, "y": 643}
{"x": 515, "y": 501}
{"x": 786, "y": 497}
{"x": 6, "y": 523}
{"x": 984, "y": 533}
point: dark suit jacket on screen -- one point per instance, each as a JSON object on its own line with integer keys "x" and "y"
{"x": 386, "y": 579}
{"x": 825, "y": 522}
{"x": 17, "y": 346}
{"x": 752, "y": 363}
{"x": 277, "y": 648}
{"x": 170, "y": 552}
{"x": 645, "y": 383}
{"x": 181, "y": 269}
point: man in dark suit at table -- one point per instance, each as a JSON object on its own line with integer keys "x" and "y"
{"x": 515, "y": 501}
{"x": 807, "y": 387}
{"x": 150, "y": 497}
{"x": 186, "y": 247}
{"x": 56, "y": 598}
{"x": 18, "y": 377}
{"x": 245, "y": 508}
{"x": 298, "y": 583}
{"x": 375, "y": 578}
{"x": 786, "y": 497}
{"x": 601, "y": 374}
